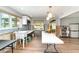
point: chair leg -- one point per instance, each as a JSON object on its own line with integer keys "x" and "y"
{"x": 20, "y": 41}
{"x": 25, "y": 40}
{"x": 15, "y": 44}
{"x": 23, "y": 43}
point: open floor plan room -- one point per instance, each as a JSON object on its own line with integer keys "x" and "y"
{"x": 39, "y": 29}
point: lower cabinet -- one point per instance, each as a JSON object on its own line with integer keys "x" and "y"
{"x": 74, "y": 35}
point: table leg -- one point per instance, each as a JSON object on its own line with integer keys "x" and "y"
{"x": 46, "y": 48}
{"x": 23, "y": 43}
{"x": 55, "y": 48}
{"x": 25, "y": 40}
{"x": 34, "y": 34}
{"x": 45, "y": 51}
{"x": 12, "y": 47}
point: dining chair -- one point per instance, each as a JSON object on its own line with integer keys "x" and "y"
{"x": 21, "y": 36}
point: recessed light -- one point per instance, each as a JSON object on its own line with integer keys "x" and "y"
{"x": 22, "y": 8}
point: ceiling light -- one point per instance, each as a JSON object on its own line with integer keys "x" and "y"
{"x": 47, "y": 18}
{"x": 49, "y": 14}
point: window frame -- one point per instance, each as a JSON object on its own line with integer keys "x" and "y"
{"x": 10, "y": 21}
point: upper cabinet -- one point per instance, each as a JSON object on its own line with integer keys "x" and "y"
{"x": 24, "y": 20}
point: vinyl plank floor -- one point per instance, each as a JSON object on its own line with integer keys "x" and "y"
{"x": 35, "y": 46}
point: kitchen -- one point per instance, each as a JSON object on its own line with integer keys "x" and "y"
{"x": 27, "y": 28}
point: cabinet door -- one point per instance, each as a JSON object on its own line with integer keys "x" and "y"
{"x": 74, "y": 34}
{"x": 74, "y": 27}
{"x": 24, "y": 20}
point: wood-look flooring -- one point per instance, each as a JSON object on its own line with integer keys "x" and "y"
{"x": 35, "y": 46}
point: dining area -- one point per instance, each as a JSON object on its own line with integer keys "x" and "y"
{"x": 23, "y": 37}
{"x": 27, "y": 40}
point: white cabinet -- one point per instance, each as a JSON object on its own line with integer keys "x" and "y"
{"x": 24, "y": 20}
{"x": 74, "y": 26}
{"x": 74, "y": 30}
{"x": 74, "y": 34}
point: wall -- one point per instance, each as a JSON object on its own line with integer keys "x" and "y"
{"x": 5, "y": 37}
{"x": 6, "y": 34}
{"x": 67, "y": 21}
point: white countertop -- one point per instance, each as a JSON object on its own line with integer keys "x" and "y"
{"x": 50, "y": 38}
{"x": 22, "y": 34}
{"x": 27, "y": 31}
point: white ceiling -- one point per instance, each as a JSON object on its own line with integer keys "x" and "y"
{"x": 40, "y": 12}
{"x": 76, "y": 14}
{"x": 36, "y": 12}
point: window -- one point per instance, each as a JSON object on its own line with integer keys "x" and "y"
{"x": 53, "y": 26}
{"x": 14, "y": 21}
{"x": 4, "y": 20}
{"x": 7, "y": 21}
{"x": 38, "y": 25}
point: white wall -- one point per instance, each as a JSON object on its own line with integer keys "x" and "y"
{"x": 67, "y": 21}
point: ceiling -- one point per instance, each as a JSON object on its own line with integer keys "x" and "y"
{"x": 40, "y": 12}
{"x": 76, "y": 14}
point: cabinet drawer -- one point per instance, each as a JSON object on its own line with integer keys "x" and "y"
{"x": 74, "y": 34}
